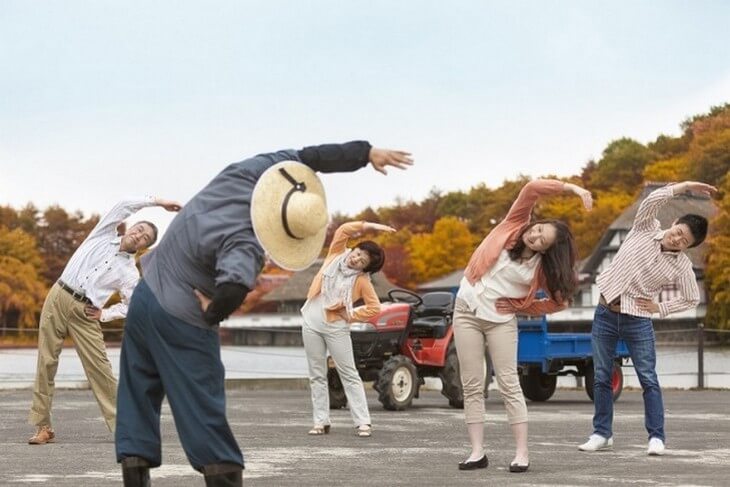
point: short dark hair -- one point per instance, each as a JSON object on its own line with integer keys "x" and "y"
{"x": 697, "y": 227}
{"x": 376, "y": 253}
{"x": 154, "y": 231}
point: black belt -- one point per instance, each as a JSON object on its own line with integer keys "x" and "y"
{"x": 614, "y": 305}
{"x": 76, "y": 295}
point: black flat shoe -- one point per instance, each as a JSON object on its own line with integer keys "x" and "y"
{"x": 517, "y": 468}
{"x": 481, "y": 463}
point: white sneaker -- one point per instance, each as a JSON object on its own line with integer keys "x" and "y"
{"x": 656, "y": 447}
{"x": 595, "y": 443}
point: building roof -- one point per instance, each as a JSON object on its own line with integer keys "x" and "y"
{"x": 673, "y": 209}
{"x": 448, "y": 281}
{"x": 296, "y": 288}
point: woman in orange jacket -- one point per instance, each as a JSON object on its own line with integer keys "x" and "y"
{"x": 516, "y": 260}
{"x": 343, "y": 280}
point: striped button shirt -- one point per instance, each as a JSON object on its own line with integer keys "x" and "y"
{"x": 640, "y": 268}
{"x": 98, "y": 268}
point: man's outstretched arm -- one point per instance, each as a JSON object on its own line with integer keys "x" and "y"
{"x": 351, "y": 156}
{"x": 128, "y": 207}
{"x": 646, "y": 214}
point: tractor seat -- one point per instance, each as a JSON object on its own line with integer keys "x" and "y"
{"x": 439, "y": 303}
{"x": 430, "y": 327}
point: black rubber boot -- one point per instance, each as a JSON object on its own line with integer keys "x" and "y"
{"x": 223, "y": 475}
{"x": 136, "y": 472}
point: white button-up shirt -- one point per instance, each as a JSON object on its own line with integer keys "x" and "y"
{"x": 506, "y": 279}
{"x": 99, "y": 268}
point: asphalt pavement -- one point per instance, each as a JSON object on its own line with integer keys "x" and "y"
{"x": 417, "y": 447}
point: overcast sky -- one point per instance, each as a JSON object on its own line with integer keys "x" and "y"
{"x": 103, "y": 99}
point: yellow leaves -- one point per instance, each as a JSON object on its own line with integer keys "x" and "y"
{"x": 667, "y": 170}
{"x": 21, "y": 246}
{"x": 444, "y": 250}
{"x": 21, "y": 293}
{"x": 21, "y": 287}
{"x": 709, "y": 156}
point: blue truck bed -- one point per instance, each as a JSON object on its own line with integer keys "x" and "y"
{"x": 537, "y": 346}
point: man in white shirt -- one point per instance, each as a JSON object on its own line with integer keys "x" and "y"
{"x": 102, "y": 265}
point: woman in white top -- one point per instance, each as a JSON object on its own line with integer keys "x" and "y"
{"x": 517, "y": 259}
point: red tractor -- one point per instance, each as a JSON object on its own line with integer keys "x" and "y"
{"x": 411, "y": 339}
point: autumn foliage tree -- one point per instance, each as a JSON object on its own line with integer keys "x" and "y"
{"x": 398, "y": 263}
{"x": 34, "y": 248}
{"x": 444, "y": 250}
{"x": 717, "y": 273}
{"x": 666, "y": 170}
{"x": 21, "y": 288}
{"x": 709, "y": 155}
{"x": 621, "y": 166}
{"x": 59, "y": 234}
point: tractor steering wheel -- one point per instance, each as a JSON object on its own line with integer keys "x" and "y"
{"x": 403, "y": 296}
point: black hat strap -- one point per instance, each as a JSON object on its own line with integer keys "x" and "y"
{"x": 296, "y": 186}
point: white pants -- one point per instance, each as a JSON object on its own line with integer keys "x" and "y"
{"x": 318, "y": 337}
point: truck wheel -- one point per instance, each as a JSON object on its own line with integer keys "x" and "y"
{"x": 617, "y": 381}
{"x": 537, "y": 386}
{"x": 338, "y": 399}
{"x": 451, "y": 378}
{"x": 397, "y": 383}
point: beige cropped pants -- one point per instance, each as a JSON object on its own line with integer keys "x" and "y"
{"x": 471, "y": 334}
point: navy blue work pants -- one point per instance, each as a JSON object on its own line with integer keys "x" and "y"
{"x": 162, "y": 355}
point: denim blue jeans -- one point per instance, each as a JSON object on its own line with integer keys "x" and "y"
{"x": 638, "y": 333}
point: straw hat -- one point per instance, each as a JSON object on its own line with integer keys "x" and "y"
{"x": 289, "y": 214}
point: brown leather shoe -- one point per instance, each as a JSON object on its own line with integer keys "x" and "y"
{"x": 44, "y": 435}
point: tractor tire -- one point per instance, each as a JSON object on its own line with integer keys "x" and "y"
{"x": 397, "y": 383}
{"x": 617, "y": 381}
{"x": 537, "y": 386}
{"x": 338, "y": 399}
{"x": 451, "y": 378}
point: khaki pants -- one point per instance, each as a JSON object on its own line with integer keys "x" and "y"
{"x": 470, "y": 335}
{"x": 62, "y": 316}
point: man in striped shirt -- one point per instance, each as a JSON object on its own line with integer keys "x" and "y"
{"x": 649, "y": 259}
